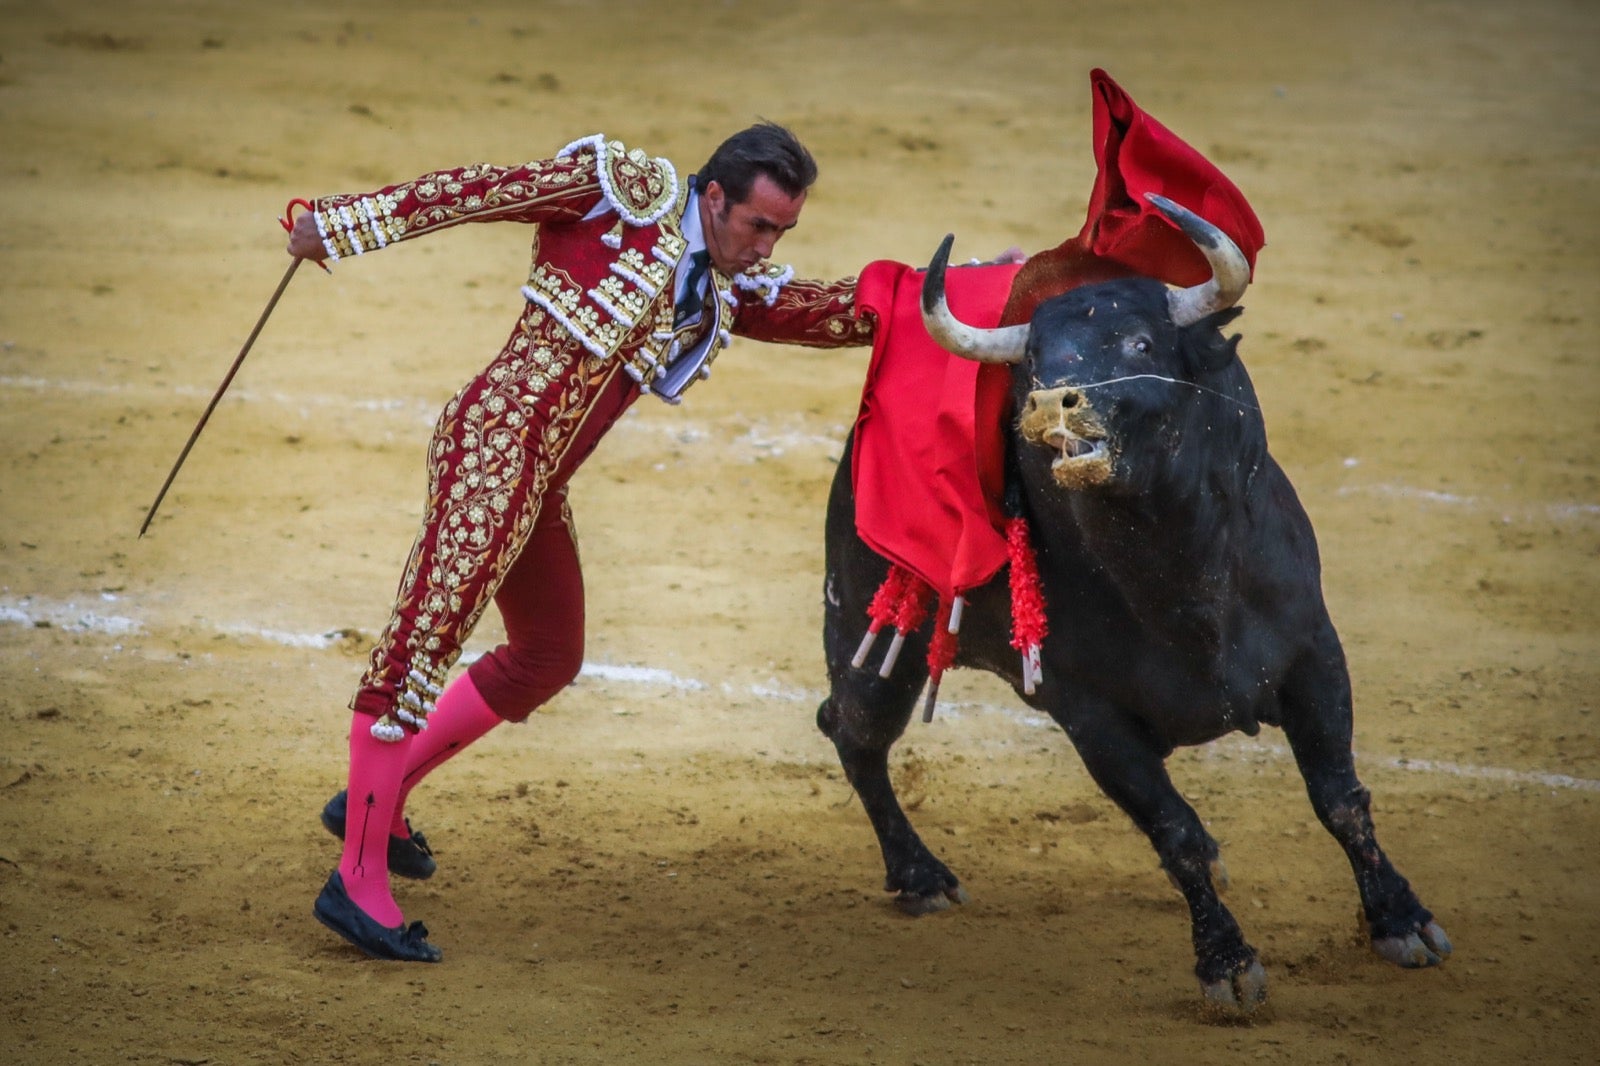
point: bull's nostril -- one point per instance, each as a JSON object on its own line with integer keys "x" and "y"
{"x": 1070, "y": 399}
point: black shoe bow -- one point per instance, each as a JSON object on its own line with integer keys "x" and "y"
{"x": 336, "y": 910}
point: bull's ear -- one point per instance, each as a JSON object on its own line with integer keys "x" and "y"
{"x": 1209, "y": 351}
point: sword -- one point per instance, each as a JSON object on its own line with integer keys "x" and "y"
{"x": 266, "y": 312}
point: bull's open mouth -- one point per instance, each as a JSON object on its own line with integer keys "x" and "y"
{"x": 1062, "y": 420}
{"x": 1073, "y": 447}
{"x": 1080, "y": 462}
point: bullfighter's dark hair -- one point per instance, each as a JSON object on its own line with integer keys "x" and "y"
{"x": 765, "y": 148}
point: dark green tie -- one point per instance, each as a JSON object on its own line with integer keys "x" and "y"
{"x": 691, "y": 302}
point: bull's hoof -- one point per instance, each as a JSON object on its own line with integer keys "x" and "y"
{"x": 922, "y": 885}
{"x": 1428, "y": 946}
{"x": 916, "y": 906}
{"x": 1238, "y": 994}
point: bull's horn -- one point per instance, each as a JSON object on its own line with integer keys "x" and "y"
{"x": 1003, "y": 345}
{"x": 1230, "y": 270}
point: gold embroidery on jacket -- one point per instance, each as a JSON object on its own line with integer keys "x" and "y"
{"x": 487, "y": 441}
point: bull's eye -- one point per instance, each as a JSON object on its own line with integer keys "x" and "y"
{"x": 1140, "y": 345}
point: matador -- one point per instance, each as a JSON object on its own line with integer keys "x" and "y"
{"x": 638, "y": 280}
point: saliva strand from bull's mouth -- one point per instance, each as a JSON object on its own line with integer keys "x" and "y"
{"x": 1071, "y": 445}
{"x": 1080, "y": 448}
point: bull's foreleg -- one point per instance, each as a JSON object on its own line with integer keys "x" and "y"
{"x": 1317, "y": 722}
{"x": 1130, "y": 766}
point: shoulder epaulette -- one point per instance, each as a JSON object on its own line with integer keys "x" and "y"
{"x": 639, "y": 188}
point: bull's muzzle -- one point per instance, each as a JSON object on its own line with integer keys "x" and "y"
{"x": 1064, "y": 420}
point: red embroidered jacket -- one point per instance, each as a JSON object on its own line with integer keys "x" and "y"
{"x": 605, "y": 276}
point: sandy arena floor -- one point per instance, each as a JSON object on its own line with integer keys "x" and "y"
{"x": 666, "y": 865}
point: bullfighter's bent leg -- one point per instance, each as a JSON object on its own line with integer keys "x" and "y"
{"x": 541, "y": 602}
{"x": 496, "y": 454}
{"x": 460, "y": 717}
{"x": 500, "y": 449}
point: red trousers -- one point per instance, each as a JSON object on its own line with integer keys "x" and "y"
{"x": 497, "y": 528}
{"x": 540, "y": 600}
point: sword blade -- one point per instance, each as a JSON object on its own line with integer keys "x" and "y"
{"x": 266, "y": 313}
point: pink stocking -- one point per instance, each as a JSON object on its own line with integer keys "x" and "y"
{"x": 460, "y": 716}
{"x": 376, "y": 767}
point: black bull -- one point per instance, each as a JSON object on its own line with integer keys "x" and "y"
{"x": 1182, "y": 584}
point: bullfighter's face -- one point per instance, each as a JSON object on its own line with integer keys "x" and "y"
{"x": 740, "y": 235}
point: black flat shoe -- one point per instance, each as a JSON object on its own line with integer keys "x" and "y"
{"x": 408, "y": 856}
{"x": 336, "y": 910}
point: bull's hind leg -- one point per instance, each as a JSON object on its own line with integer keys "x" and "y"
{"x": 1317, "y": 722}
{"x": 865, "y": 714}
{"x": 863, "y": 721}
{"x": 1130, "y": 766}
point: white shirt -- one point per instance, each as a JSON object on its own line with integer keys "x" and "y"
{"x": 694, "y": 233}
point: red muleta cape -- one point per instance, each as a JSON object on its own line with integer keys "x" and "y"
{"x": 930, "y": 435}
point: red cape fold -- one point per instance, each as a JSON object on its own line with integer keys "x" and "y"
{"x": 930, "y": 437}
{"x": 928, "y": 450}
{"x": 1124, "y": 234}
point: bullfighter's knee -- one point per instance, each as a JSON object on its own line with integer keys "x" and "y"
{"x": 516, "y": 682}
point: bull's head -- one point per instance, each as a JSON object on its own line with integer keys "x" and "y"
{"x": 1097, "y": 364}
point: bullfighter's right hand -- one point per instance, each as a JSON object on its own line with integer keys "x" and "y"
{"x": 304, "y": 240}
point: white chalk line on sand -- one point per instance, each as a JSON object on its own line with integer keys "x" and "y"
{"x": 748, "y": 440}
{"x": 1558, "y": 512}
{"x": 413, "y": 409}
{"x": 72, "y": 616}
